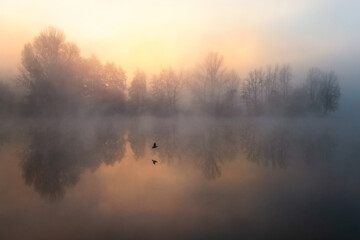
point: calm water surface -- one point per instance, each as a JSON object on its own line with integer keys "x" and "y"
{"x": 216, "y": 179}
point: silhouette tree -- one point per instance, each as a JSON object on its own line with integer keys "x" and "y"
{"x": 271, "y": 82}
{"x": 252, "y": 92}
{"x": 49, "y": 71}
{"x": 138, "y": 92}
{"x": 323, "y": 91}
{"x": 7, "y": 99}
{"x": 230, "y": 102}
{"x": 329, "y": 92}
{"x": 91, "y": 73}
{"x": 267, "y": 91}
{"x": 113, "y": 85}
{"x": 60, "y": 81}
{"x": 209, "y": 79}
{"x": 165, "y": 91}
{"x": 285, "y": 77}
{"x": 312, "y": 87}
{"x": 213, "y": 87}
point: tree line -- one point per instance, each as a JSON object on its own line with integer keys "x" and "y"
{"x": 57, "y": 80}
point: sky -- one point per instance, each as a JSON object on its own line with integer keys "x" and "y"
{"x": 150, "y": 35}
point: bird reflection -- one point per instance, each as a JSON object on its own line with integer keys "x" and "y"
{"x": 166, "y": 134}
{"x": 57, "y": 155}
{"x": 58, "y": 152}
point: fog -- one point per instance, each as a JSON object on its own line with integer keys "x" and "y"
{"x": 254, "y": 108}
{"x": 237, "y": 174}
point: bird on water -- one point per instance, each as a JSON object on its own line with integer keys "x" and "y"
{"x": 154, "y": 146}
{"x": 154, "y": 162}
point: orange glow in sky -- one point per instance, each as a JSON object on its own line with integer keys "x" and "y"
{"x": 153, "y": 34}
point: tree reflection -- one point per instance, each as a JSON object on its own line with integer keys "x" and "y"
{"x": 5, "y": 133}
{"x": 166, "y": 135}
{"x": 57, "y": 155}
{"x": 59, "y": 152}
{"x": 274, "y": 145}
{"x": 211, "y": 147}
{"x": 266, "y": 147}
{"x": 318, "y": 146}
{"x": 137, "y": 139}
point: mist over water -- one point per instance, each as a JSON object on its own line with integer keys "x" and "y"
{"x": 248, "y": 148}
{"x": 216, "y": 178}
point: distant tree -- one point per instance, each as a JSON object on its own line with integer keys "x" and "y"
{"x": 113, "y": 84}
{"x": 60, "y": 81}
{"x": 91, "y": 72}
{"x": 252, "y": 91}
{"x": 114, "y": 77}
{"x": 213, "y": 80}
{"x": 49, "y": 71}
{"x": 230, "y": 102}
{"x": 297, "y": 103}
{"x": 312, "y": 86}
{"x": 165, "y": 91}
{"x": 138, "y": 92}
{"x": 285, "y": 77}
{"x": 323, "y": 91}
{"x": 7, "y": 99}
{"x": 271, "y": 81}
{"x": 329, "y": 92}
{"x": 267, "y": 91}
{"x": 213, "y": 87}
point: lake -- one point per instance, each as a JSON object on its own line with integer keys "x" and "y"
{"x": 242, "y": 178}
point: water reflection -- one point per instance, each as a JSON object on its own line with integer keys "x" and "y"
{"x": 166, "y": 134}
{"x": 212, "y": 147}
{"x": 318, "y": 146}
{"x": 137, "y": 139}
{"x": 215, "y": 179}
{"x": 58, "y": 152}
{"x": 269, "y": 147}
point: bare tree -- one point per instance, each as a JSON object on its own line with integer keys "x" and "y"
{"x": 253, "y": 91}
{"x": 285, "y": 76}
{"x": 329, "y": 92}
{"x": 267, "y": 91}
{"x": 113, "y": 83}
{"x": 213, "y": 85}
{"x": 49, "y": 71}
{"x": 230, "y": 104}
{"x": 91, "y": 72}
{"x": 138, "y": 92}
{"x": 7, "y": 99}
{"x": 312, "y": 85}
{"x": 271, "y": 81}
{"x": 323, "y": 91}
{"x": 165, "y": 91}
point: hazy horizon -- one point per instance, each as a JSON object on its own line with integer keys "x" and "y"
{"x": 185, "y": 119}
{"x": 151, "y": 36}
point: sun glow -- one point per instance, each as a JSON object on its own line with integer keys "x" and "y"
{"x": 153, "y": 34}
